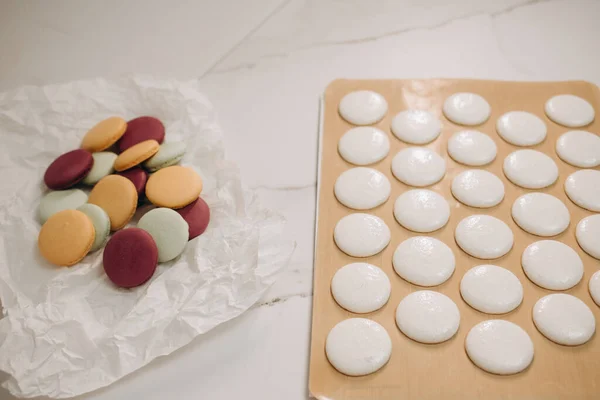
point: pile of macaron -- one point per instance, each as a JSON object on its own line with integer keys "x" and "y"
{"x": 124, "y": 164}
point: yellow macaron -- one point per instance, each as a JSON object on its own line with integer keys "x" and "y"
{"x": 66, "y": 237}
{"x": 173, "y": 187}
{"x": 117, "y": 196}
{"x": 104, "y": 134}
{"x": 136, "y": 154}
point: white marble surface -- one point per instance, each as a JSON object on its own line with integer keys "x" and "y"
{"x": 264, "y": 64}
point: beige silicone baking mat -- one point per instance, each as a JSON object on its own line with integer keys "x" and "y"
{"x": 443, "y": 371}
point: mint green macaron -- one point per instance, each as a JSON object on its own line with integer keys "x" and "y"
{"x": 168, "y": 154}
{"x": 60, "y": 200}
{"x": 168, "y": 229}
{"x": 103, "y": 165}
{"x": 101, "y": 223}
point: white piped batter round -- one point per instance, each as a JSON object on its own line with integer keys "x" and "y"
{"x": 564, "y": 319}
{"x": 569, "y": 110}
{"x": 421, "y": 210}
{"x": 428, "y": 317}
{"x": 478, "y": 188}
{"x": 583, "y": 188}
{"x": 484, "y": 236}
{"x": 424, "y": 261}
{"x": 491, "y": 289}
{"x": 521, "y": 128}
{"x": 472, "y": 148}
{"x": 416, "y": 126}
{"x": 530, "y": 169}
{"x": 361, "y": 235}
{"x": 364, "y": 145}
{"x": 588, "y": 235}
{"x": 579, "y": 148}
{"x": 467, "y": 109}
{"x": 594, "y": 287}
{"x": 418, "y": 166}
{"x": 541, "y": 214}
{"x": 363, "y": 107}
{"x": 358, "y": 346}
{"x": 362, "y": 188}
{"x": 552, "y": 265}
{"x": 360, "y": 287}
{"x": 500, "y": 347}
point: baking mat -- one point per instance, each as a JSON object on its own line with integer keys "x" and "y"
{"x": 444, "y": 371}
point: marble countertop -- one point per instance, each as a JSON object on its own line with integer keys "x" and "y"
{"x": 264, "y": 64}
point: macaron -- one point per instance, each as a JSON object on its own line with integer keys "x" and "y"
{"x": 104, "y": 134}
{"x": 138, "y": 177}
{"x": 168, "y": 154}
{"x": 103, "y": 166}
{"x": 174, "y": 187}
{"x": 59, "y": 200}
{"x": 169, "y": 231}
{"x": 136, "y": 154}
{"x": 101, "y": 223}
{"x": 68, "y": 169}
{"x": 66, "y": 238}
{"x": 197, "y": 216}
{"x": 117, "y": 196}
{"x": 130, "y": 257}
{"x": 140, "y": 129}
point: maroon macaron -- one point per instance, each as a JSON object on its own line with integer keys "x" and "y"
{"x": 68, "y": 169}
{"x": 138, "y": 176}
{"x": 140, "y": 129}
{"x": 197, "y": 215}
{"x": 130, "y": 257}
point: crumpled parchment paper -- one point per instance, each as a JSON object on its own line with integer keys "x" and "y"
{"x": 67, "y": 331}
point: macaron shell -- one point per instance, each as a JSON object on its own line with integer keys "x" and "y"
{"x": 60, "y": 200}
{"x": 140, "y": 129}
{"x": 169, "y": 231}
{"x": 130, "y": 257}
{"x": 138, "y": 177}
{"x": 66, "y": 238}
{"x": 117, "y": 196}
{"x": 104, "y": 134}
{"x": 68, "y": 169}
{"x": 101, "y": 223}
{"x": 174, "y": 187}
{"x": 136, "y": 154}
{"x": 168, "y": 154}
{"x": 197, "y": 216}
{"x": 103, "y": 166}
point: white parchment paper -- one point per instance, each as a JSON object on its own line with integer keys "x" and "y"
{"x": 67, "y": 331}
